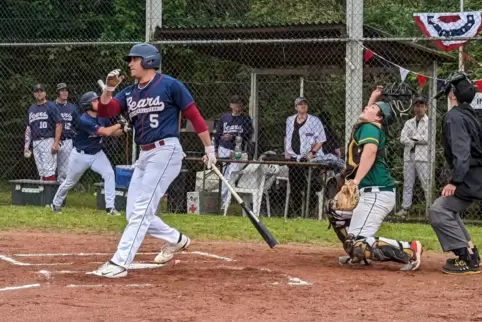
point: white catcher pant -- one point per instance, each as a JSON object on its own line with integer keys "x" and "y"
{"x": 372, "y": 209}
{"x": 78, "y": 164}
{"x": 63, "y": 159}
{"x": 154, "y": 172}
{"x": 45, "y": 161}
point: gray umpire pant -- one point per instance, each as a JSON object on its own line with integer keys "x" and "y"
{"x": 411, "y": 170}
{"x": 444, "y": 216}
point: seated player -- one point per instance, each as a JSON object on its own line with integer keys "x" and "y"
{"x": 87, "y": 153}
{"x": 367, "y": 167}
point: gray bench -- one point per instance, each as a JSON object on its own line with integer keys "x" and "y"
{"x": 120, "y": 197}
{"x": 33, "y": 192}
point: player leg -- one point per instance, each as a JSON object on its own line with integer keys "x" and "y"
{"x": 77, "y": 165}
{"x": 453, "y": 236}
{"x": 227, "y": 171}
{"x": 423, "y": 175}
{"x": 102, "y": 166}
{"x": 160, "y": 166}
{"x": 361, "y": 243}
{"x": 37, "y": 148}
{"x": 63, "y": 159}
{"x": 408, "y": 183}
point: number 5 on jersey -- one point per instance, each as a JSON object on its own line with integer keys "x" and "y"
{"x": 154, "y": 120}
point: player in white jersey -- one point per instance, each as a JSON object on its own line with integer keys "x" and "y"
{"x": 153, "y": 106}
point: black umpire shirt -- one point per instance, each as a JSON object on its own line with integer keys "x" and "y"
{"x": 462, "y": 142}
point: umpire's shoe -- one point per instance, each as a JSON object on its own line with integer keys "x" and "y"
{"x": 167, "y": 252}
{"x": 452, "y": 260}
{"x": 468, "y": 264}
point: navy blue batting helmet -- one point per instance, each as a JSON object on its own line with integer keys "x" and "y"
{"x": 151, "y": 58}
{"x": 86, "y": 99}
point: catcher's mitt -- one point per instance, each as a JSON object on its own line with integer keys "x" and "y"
{"x": 347, "y": 198}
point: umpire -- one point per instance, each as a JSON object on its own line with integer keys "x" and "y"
{"x": 462, "y": 137}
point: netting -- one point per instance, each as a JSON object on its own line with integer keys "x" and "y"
{"x": 267, "y": 54}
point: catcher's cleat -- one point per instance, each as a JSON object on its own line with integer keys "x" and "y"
{"x": 416, "y": 259}
{"x": 344, "y": 260}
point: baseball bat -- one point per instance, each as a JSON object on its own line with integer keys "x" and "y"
{"x": 260, "y": 227}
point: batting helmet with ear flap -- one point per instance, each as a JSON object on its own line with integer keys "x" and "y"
{"x": 151, "y": 58}
{"x": 85, "y": 101}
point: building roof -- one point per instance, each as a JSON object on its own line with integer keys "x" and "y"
{"x": 292, "y": 45}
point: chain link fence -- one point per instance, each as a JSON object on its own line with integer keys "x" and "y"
{"x": 248, "y": 58}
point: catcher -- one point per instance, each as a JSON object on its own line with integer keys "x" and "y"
{"x": 368, "y": 194}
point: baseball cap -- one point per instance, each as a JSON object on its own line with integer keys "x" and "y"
{"x": 460, "y": 81}
{"x": 420, "y": 99}
{"x": 300, "y": 100}
{"x": 38, "y": 87}
{"x": 61, "y": 86}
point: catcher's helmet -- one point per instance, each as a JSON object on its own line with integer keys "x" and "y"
{"x": 151, "y": 58}
{"x": 86, "y": 99}
{"x": 460, "y": 85}
{"x": 386, "y": 110}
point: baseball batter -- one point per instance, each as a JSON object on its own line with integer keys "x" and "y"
{"x": 153, "y": 105}
{"x": 69, "y": 114}
{"x": 87, "y": 153}
{"x": 44, "y": 129}
{"x": 367, "y": 168}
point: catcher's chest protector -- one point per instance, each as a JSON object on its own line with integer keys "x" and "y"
{"x": 354, "y": 151}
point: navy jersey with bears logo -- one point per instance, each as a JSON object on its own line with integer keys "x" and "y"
{"x": 69, "y": 113}
{"x": 154, "y": 109}
{"x": 42, "y": 120}
{"x": 86, "y": 138}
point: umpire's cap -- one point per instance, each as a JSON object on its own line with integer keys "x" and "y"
{"x": 386, "y": 111}
{"x": 460, "y": 85}
{"x": 86, "y": 99}
{"x": 151, "y": 58}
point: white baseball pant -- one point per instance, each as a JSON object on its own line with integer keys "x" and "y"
{"x": 45, "y": 161}
{"x": 63, "y": 159}
{"x": 411, "y": 170}
{"x": 78, "y": 164}
{"x": 228, "y": 169}
{"x": 154, "y": 171}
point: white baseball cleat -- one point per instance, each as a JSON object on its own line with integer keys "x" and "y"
{"x": 110, "y": 270}
{"x": 167, "y": 252}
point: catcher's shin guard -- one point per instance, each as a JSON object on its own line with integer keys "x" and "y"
{"x": 384, "y": 249}
{"x": 339, "y": 220}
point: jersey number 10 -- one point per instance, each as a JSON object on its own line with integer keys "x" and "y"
{"x": 43, "y": 125}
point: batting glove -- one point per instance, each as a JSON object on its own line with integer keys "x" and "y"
{"x": 125, "y": 126}
{"x": 210, "y": 157}
{"x": 114, "y": 78}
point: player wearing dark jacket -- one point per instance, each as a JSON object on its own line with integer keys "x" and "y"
{"x": 462, "y": 143}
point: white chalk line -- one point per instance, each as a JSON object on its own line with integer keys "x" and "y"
{"x": 107, "y": 285}
{"x": 13, "y": 288}
{"x": 18, "y": 263}
{"x": 228, "y": 259}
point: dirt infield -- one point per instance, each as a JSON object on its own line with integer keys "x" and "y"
{"x": 43, "y": 277}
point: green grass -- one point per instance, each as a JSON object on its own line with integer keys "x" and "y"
{"x": 204, "y": 227}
